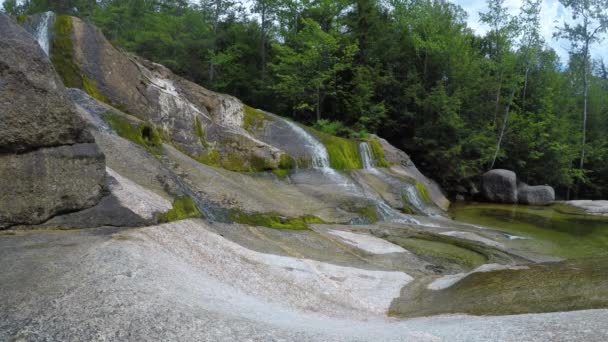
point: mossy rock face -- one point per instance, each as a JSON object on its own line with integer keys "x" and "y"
{"x": 378, "y": 152}
{"x": 183, "y": 208}
{"x": 254, "y": 119}
{"x": 200, "y": 131}
{"x": 211, "y": 157}
{"x": 63, "y": 59}
{"x": 343, "y": 153}
{"x": 423, "y": 192}
{"x": 143, "y": 134}
{"x": 274, "y": 220}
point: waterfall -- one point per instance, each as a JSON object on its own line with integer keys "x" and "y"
{"x": 367, "y": 157}
{"x": 42, "y": 32}
{"x": 318, "y": 152}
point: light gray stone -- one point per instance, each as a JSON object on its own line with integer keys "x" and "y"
{"x": 535, "y": 195}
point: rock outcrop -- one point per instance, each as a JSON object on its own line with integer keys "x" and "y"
{"x": 535, "y": 195}
{"x": 49, "y": 162}
{"x": 196, "y": 120}
{"x": 500, "y": 186}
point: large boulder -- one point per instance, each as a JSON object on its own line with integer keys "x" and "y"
{"x": 49, "y": 162}
{"x": 35, "y": 111}
{"x": 535, "y": 195}
{"x": 499, "y": 186}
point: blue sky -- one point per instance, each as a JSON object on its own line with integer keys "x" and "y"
{"x": 553, "y": 13}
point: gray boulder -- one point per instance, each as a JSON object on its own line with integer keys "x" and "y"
{"x": 499, "y": 186}
{"x": 35, "y": 111}
{"x": 49, "y": 163}
{"x": 37, "y": 185}
{"x": 535, "y": 195}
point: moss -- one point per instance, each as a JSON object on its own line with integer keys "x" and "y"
{"x": 144, "y": 134}
{"x": 90, "y": 87}
{"x": 234, "y": 162}
{"x": 21, "y": 19}
{"x": 211, "y": 157}
{"x": 200, "y": 131}
{"x": 343, "y": 153}
{"x": 378, "y": 152}
{"x": 286, "y": 165}
{"x": 274, "y": 220}
{"x": 62, "y": 57}
{"x": 62, "y": 53}
{"x": 423, "y": 192}
{"x": 183, "y": 208}
{"x": 369, "y": 213}
{"x": 254, "y": 118}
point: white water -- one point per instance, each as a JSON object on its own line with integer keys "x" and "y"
{"x": 320, "y": 161}
{"x": 318, "y": 152}
{"x": 42, "y": 32}
{"x": 367, "y": 157}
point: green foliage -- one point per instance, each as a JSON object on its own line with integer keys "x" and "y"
{"x": 343, "y": 153}
{"x": 337, "y": 128}
{"x": 274, "y": 220}
{"x": 183, "y": 208}
{"x": 142, "y": 134}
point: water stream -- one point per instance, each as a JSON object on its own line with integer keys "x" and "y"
{"x": 320, "y": 161}
{"x": 367, "y": 158}
{"x": 42, "y": 31}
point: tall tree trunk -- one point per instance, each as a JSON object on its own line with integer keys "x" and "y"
{"x": 497, "y": 103}
{"x": 585, "y": 95}
{"x": 504, "y": 126}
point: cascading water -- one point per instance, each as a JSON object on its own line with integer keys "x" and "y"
{"x": 318, "y": 152}
{"x": 320, "y": 161}
{"x": 367, "y": 158}
{"x": 42, "y": 31}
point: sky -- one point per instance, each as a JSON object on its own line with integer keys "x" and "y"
{"x": 552, "y": 13}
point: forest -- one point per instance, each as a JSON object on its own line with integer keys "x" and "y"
{"x": 411, "y": 71}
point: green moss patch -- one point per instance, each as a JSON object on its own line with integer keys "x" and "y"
{"x": 62, "y": 53}
{"x": 143, "y": 134}
{"x": 62, "y": 57}
{"x": 343, "y": 153}
{"x": 423, "y": 192}
{"x": 369, "y": 214}
{"x": 378, "y": 152}
{"x": 274, "y": 220}
{"x": 200, "y": 131}
{"x": 211, "y": 157}
{"x": 254, "y": 118}
{"x": 183, "y": 208}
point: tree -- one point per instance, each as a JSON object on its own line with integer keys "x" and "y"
{"x": 589, "y": 21}
{"x": 531, "y": 40}
{"x": 306, "y": 71}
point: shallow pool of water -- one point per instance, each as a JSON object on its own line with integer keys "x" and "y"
{"x": 558, "y": 230}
